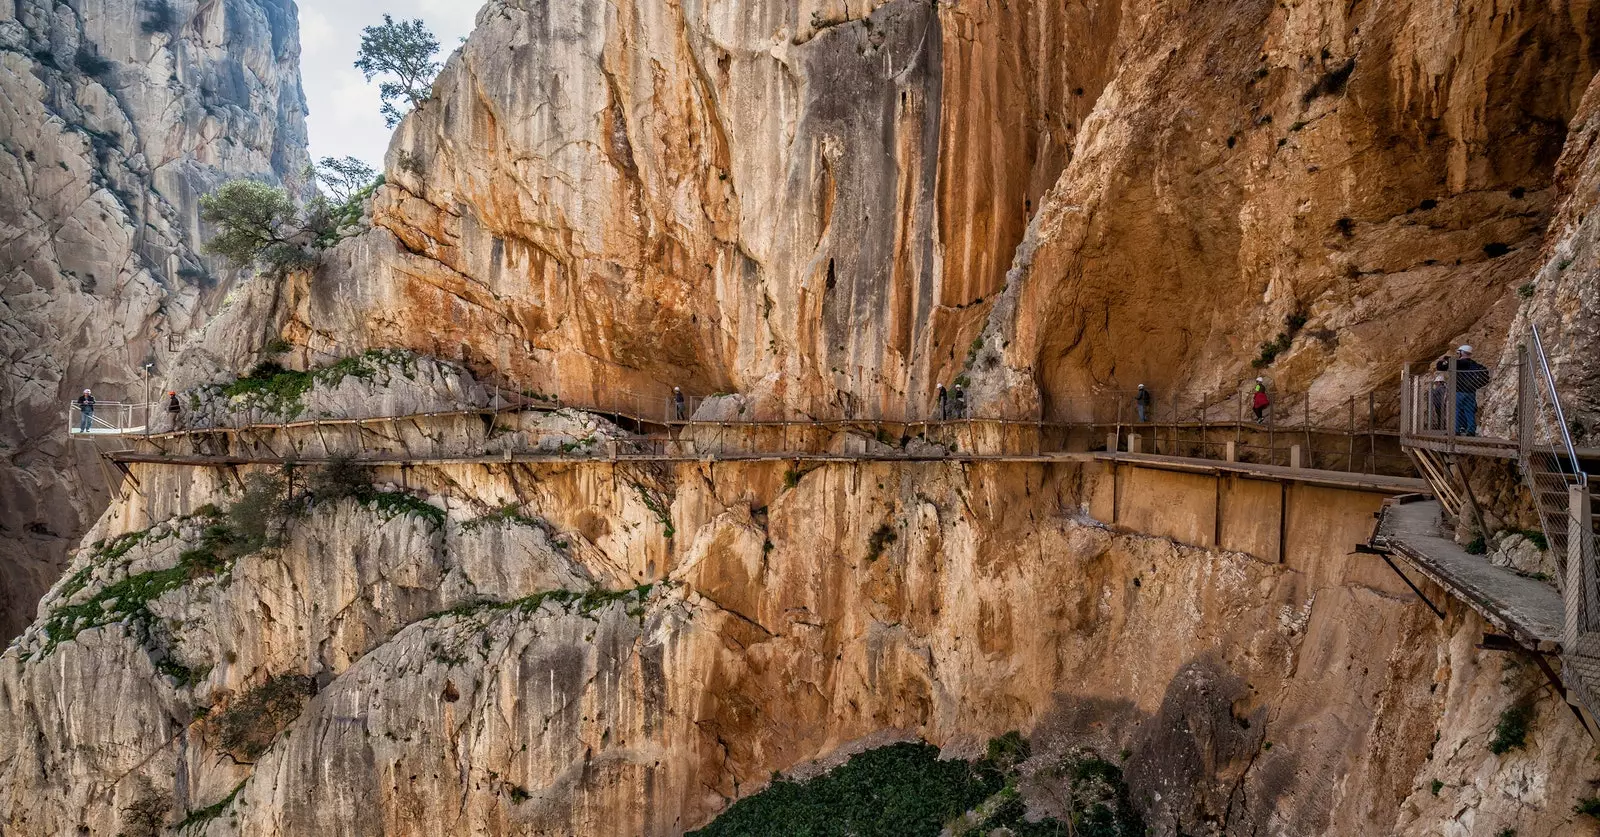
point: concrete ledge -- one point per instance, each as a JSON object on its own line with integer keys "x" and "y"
{"x": 1524, "y": 609}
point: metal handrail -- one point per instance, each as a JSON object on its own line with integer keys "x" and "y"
{"x": 1555, "y": 403}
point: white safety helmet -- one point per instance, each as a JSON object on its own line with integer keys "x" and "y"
{"x": 1466, "y": 350}
{"x": 1141, "y": 386}
{"x": 85, "y": 392}
{"x": 1261, "y": 380}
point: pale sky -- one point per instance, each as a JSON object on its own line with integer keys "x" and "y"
{"x": 344, "y": 119}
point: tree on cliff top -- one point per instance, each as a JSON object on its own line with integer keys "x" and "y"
{"x": 257, "y": 223}
{"x": 405, "y": 51}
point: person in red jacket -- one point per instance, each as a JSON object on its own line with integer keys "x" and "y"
{"x": 1259, "y": 402}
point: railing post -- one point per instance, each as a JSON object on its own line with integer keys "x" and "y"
{"x": 1406, "y": 403}
{"x": 1580, "y": 593}
{"x": 1451, "y": 404}
{"x": 1526, "y": 404}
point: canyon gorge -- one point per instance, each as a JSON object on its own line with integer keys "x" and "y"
{"x": 812, "y": 211}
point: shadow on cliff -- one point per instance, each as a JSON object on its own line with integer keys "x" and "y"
{"x": 1200, "y": 765}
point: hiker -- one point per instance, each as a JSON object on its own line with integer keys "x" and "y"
{"x": 1436, "y": 395}
{"x": 1142, "y": 402}
{"x": 85, "y": 411}
{"x": 677, "y": 402}
{"x": 173, "y": 408}
{"x": 944, "y": 407}
{"x": 1259, "y": 402}
{"x": 961, "y": 402}
{"x": 1471, "y": 376}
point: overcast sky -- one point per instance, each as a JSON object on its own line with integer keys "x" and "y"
{"x": 344, "y": 119}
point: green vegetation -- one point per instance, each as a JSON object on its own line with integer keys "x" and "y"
{"x": 586, "y": 603}
{"x": 1476, "y": 546}
{"x": 393, "y": 504}
{"x": 1511, "y": 733}
{"x": 1526, "y": 291}
{"x": 1588, "y": 806}
{"x": 904, "y": 790}
{"x": 159, "y": 17}
{"x": 402, "y": 53}
{"x": 248, "y": 526}
{"x": 344, "y": 184}
{"x": 91, "y": 64}
{"x": 200, "y": 816}
{"x": 1436, "y": 786}
{"x": 258, "y": 224}
{"x": 147, "y": 815}
{"x": 509, "y": 513}
{"x": 1506, "y": 832}
{"x": 273, "y": 389}
{"x": 366, "y": 366}
{"x": 881, "y": 538}
{"x": 1292, "y": 325}
{"x": 658, "y": 507}
{"x": 1536, "y": 537}
{"x": 250, "y": 724}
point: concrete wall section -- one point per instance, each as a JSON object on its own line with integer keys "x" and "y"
{"x": 1251, "y": 516}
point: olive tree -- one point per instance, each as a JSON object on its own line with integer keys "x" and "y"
{"x": 258, "y": 224}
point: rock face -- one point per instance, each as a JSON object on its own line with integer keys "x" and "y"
{"x": 828, "y": 207}
{"x": 833, "y": 207}
{"x": 1563, "y": 295}
{"x": 116, "y": 116}
{"x": 482, "y": 662}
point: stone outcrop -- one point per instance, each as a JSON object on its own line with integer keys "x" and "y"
{"x": 116, "y": 116}
{"x": 1562, "y": 296}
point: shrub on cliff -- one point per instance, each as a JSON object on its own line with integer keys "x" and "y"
{"x": 343, "y": 186}
{"x": 250, "y": 724}
{"x": 159, "y": 17}
{"x": 258, "y": 224}
{"x": 902, "y": 790}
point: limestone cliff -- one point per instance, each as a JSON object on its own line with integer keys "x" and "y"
{"x": 115, "y": 117}
{"x": 834, "y": 206}
{"x": 828, "y": 207}
{"x": 615, "y": 649}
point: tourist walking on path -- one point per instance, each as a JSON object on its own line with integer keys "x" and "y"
{"x": 1259, "y": 402}
{"x": 173, "y": 408}
{"x": 85, "y": 411}
{"x": 677, "y": 402}
{"x": 944, "y": 403}
{"x": 1471, "y": 376}
{"x": 961, "y": 402}
{"x": 1141, "y": 401}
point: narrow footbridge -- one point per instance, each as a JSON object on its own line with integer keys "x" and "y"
{"x": 1554, "y": 619}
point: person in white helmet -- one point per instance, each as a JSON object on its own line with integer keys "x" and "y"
{"x": 677, "y": 402}
{"x": 1141, "y": 402}
{"x": 1259, "y": 402}
{"x": 85, "y": 411}
{"x": 1471, "y": 376}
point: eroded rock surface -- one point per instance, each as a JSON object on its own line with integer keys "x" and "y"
{"x": 483, "y": 661}
{"x": 117, "y": 115}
